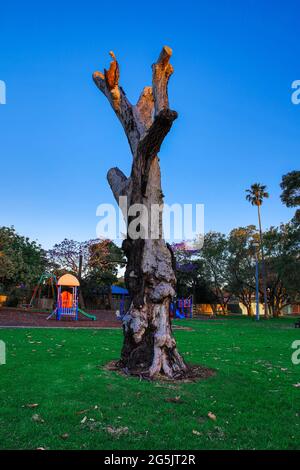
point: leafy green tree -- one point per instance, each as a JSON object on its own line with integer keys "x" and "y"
{"x": 81, "y": 258}
{"x": 204, "y": 273}
{"x": 290, "y": 195}
{"x": 188, "y": 268}
{"x": 241, "y": 282}
{"x": 70, "y": 256}
{"x": 105, "y": 261}
{"x": 22, "y": 261}
{"x": 282, "y": 246}
{"x": 225, "y": 268}
{"x": 215, "y": 256}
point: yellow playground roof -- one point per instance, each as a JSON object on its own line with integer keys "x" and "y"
{"x": 68, "y": 280}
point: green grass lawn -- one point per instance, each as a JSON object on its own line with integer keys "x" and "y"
{"x": 252, "y": 394}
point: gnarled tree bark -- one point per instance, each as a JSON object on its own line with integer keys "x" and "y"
{"x": 149, "y": 346}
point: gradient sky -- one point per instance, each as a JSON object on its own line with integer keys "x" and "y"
{"x": 234, "y": 64}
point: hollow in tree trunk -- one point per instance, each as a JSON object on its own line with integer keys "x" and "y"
{"x": 149, "y": 346}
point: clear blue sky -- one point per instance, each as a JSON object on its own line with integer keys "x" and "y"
{"x": 234, "y": 64}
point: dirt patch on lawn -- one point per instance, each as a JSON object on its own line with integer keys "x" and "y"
{"x": 10, "y": 317}
{"x": 193, "y": 374}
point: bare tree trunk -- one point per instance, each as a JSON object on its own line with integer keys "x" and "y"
{"x": 249, "y": 310}
{"x": 264, "y": 276}
{"x": 149, "y": 346}
{"x": 81, "y": 299}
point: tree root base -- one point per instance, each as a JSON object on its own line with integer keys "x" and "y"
{"x": 194, "y": 373}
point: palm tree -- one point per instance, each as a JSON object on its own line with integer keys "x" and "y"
{"x": 255, "y": 195}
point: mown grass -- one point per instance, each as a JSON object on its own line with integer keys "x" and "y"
{"x": 252, "y": 395}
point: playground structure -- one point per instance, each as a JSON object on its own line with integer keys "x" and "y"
{"x": 182, "y": 308}
{"x": 114, "y": 298}
{"x": 67, "y": 299}
{"x": 37, "y": 300}
{"x": 120, "y": 299}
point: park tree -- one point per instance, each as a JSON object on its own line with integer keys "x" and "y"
{"x": 204, "y": 272}
{"x": 149, "y": 347}
{"x": 70, "y": 256}
{"x": 282, "y": 245}
{"x": 81, "y": 258}
{"x": 22, "y": 260}
{"x": 256, "y": 195}
{"x": 241, "y": 265}
{"x": 189, "y": 270}
{"x": 195, "y": 277}
{"x": 9, "y": 258}
{"x": 105, "y": 259}
{"x": 105, "y": 256}
{"x": 290, "y": 195}
{"x": 215, "y": 256}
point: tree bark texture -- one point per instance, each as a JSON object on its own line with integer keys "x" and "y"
{"x": 149, "y": 347}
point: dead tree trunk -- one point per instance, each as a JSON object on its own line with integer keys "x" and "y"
{"x": 149, "y": 346}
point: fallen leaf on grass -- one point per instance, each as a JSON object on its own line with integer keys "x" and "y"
{"x": 80, "y": 412}
{"x": 31, "y": 405}
{"x": 117, "y": 431}
{"x": 217, "y": 433}
{"x": 212, "y": 416}
{"x": 174, "y": 400}
{"x": 37, "y": 418}
{"x": 92, "y": 425}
